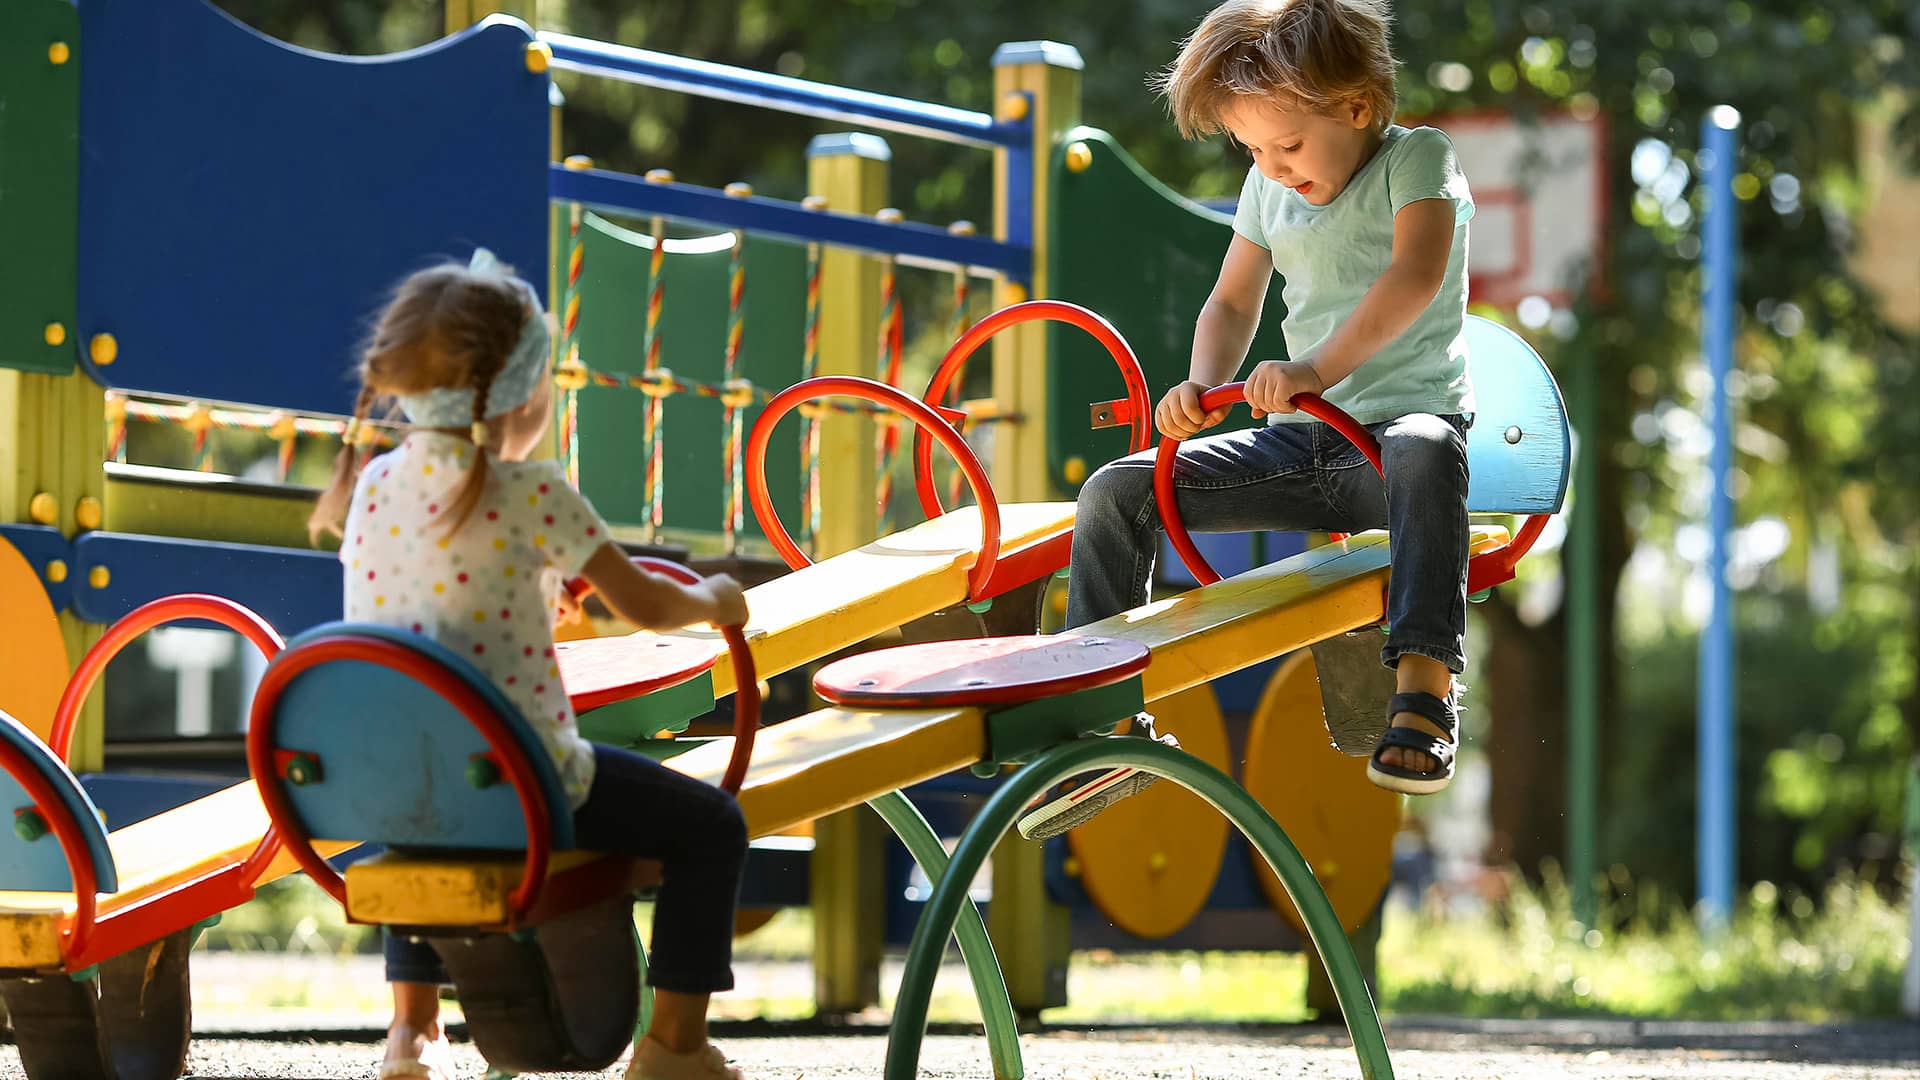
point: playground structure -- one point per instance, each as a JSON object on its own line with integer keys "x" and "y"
{"x": 786, "y": 292}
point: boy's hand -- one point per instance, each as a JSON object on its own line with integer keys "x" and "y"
{"x": 1273, "y": 383}
{"x": 726, "y": 602}
{"x": 1179, "y": 416}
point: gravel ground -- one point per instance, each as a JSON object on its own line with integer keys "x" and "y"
{"x": 1440, "y": 1048}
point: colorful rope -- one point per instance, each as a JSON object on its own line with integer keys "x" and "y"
{"x": 652, "y": 427}
{"x": 810, "y": 432}
{"x": 733, "y": 401}
{"x": 570, "y": 345}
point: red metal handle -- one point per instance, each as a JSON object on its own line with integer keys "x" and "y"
{"x": 76, "y": 929}
{"x": 746, "y": 680}
{"x": 166, "y": 609}
{"x": 982, "y": 331}
{"x": 1227, "y": 394}
{"x": 879, "y": 393}
{"x": 442, "y": 681}
{"x": 184, "y": 606}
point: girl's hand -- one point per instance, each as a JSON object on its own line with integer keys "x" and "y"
{"x": 1273, "y": 384}
{"x": 570, "y": 611}
{"x": 1179, "y": 416}
{"x": 727, "y": 603}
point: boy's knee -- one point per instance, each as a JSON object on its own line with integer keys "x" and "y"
{"x": 1422, "y": 442}
{"x": 1117, "y": 485}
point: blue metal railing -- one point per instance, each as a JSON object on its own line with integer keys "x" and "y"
{"x": 704, "y": 79}
{"x": 912, "y": 242}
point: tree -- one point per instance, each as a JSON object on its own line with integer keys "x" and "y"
{"x": 1829, "y": 444}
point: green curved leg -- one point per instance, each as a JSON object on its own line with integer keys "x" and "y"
{"x": 1323, "y": 926}
{"x": 996, "y": 1008}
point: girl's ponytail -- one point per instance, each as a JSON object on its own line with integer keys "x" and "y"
{"x": 474, "y": 484}
{"x": 331, "y": 509}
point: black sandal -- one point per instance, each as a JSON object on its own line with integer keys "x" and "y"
{"x": 1444, "y": 713}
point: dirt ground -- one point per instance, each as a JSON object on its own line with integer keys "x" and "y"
{"x": 1438, "y": 1048}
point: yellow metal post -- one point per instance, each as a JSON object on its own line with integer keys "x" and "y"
{"x": 849, "y": 172}
{"x": 52, "y": 431}
{"x": 1041, "y": 80}
{"x": 464, "y": 13}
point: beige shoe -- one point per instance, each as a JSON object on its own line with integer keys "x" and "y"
{"x": 652, "y": 1061}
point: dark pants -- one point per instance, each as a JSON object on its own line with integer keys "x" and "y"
{"x": 639, "y": 807}
{"x": 1295, "y": 477}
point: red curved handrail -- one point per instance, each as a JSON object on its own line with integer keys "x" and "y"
{"x": 77, "y": 928}
{"x": 1053, "y": 311}
{"x": 451, "y": 688}
{"x": 746, "y": 679}
{"x": 1483, "y": 571}
{"x": 1227, "y": 394}
{"x": 881, "y": 394}
{"x": 166, "y": 609}
{"x": 183, "y": 606}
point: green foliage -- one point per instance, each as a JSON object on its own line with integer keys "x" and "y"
{"x": 1652, "y": 960}
{"x": 1829, "y": 444}
{"x": 1819, "y": 765}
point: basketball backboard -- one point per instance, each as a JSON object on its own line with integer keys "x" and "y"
{"x": 1539, "y": 192}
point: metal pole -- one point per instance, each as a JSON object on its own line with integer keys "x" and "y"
{"x": 1583, "y": 644}
{"x": 1716, "y": 852}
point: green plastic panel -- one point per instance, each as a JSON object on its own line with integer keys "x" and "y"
{"x": 693, "y": 327}
{"x": 1125, "y": 246}
{"x": 39, "y": 182}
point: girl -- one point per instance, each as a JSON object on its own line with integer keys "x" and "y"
{"x": 456, "y": 536}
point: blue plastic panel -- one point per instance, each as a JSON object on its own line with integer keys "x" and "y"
{"x": 40, "y": 545}
{"x": 393, "y": 754}
{"x": 290, "y": 588}
{"x": 1519, "y": 449}
{"x": 40, "y": 865}
{"x": 249, "y": 204}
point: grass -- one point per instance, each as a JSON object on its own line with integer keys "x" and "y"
{"x": 1836, "y": 956}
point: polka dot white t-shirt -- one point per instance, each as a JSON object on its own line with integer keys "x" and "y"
{"x": 490, "y": 590}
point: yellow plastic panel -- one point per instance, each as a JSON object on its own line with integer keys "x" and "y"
{"x": 835, "y": 758}
{"x": 422, "y": 891}
{"x": 1150, "y": 862}
{"x": 851, "y": 597}
{"x": 1342, "y": 823}
{"x": 34, "y": 671}
{"x": 1201, "y": 635}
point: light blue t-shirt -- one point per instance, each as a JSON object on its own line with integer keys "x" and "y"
{"x": 1329, "y": 256}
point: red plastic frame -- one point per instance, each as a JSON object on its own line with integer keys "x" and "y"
{"x": 442, "y": 681}
{"x": 75, "y": 930}
{"x": 951, "y": 365}
{"x": 181, "y": 607}
{"x": 1228, "y": 394}
{"x": 879, "y": 393}
{"x": 1483, "y": 571}
{"x": 166, "y": 609}
{"x": 746, "y": 679}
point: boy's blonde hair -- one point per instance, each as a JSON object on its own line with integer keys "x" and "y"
{"x": 1316, "y": 54}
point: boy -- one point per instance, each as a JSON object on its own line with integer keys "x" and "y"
{"x": 1365, "y": 222}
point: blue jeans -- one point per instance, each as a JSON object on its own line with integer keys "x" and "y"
{"x": 639, "y": 807}
{"x": 1296, "y": 478}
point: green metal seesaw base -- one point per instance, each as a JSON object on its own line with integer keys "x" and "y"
{"x": 949, "y": 897}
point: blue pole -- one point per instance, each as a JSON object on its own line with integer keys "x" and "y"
{"x": 1717, "y": 859}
